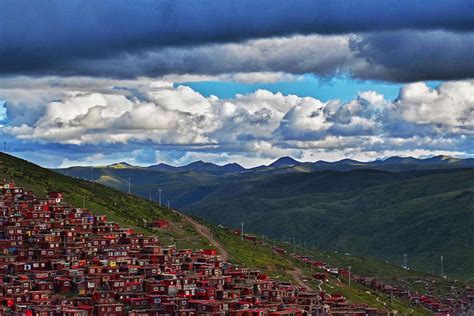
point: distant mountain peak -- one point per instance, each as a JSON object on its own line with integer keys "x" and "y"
{"x": 233, "y": 167}
{"x": 163, "y": 164}
{"x": 445, "y": 158}
{"x": 201, "y": 163}
{"x": 348, "y": 161}
{"x": 284, "y": 162}
{"x": 120, "y": 165}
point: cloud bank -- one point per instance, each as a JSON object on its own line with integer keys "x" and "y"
{"x": 157, "y": 120}
{"x": 387, "y": 40}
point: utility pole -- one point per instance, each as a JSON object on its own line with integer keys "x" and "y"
{"x": 168, "y": 203}
{"x": 5, "y": 147}
{"x": 442, "y": 267}
{"x": 405, "y": 261}
{"x": 349, "y": 276}
{"x": 242, "y": 231}
{"x": 159, "y": 197}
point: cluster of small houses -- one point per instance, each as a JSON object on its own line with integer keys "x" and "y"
{"x": 460, "y": 302}
{"x": 59, "y": 260}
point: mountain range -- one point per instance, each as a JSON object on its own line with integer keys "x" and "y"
{"x": 383, "y": 208}
{"x": 288, "y": 165}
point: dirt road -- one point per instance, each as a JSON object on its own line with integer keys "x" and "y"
{"x": 297, "y": 276}
{"x": 206, "y": 233}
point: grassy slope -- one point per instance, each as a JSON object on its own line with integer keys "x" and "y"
{"x": 181, "y": 188}
{"x": 260, "y": 256}
{"x": 122, "y": 208}
{"x": 423, "y": 215}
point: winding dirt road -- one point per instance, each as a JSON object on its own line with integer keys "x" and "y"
{"x": 206, "y": 233}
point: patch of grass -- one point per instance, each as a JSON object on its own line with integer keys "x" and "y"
{"x": 252, "y": 255}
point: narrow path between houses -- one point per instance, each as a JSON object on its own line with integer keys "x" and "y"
{"x": 206, "y": 233}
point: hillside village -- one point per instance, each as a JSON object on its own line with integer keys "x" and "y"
{"x": 60, "y": 260}
{"x": 29, "y": 225}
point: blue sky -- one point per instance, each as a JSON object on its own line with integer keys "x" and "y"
{"x": 324, "y": 89}
{"x": 223, "y": 81}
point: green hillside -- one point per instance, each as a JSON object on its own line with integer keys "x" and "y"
{"x": 382, "y": 214}
{"x": 370, "y": 213}
{"x": 128, "y": 210}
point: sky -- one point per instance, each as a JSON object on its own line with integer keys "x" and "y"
{"x": 175, "y": 81}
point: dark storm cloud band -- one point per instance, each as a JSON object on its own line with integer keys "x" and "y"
{"x": 50, "y": 36}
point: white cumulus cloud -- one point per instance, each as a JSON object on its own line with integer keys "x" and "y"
{"x": 259, "y": 126}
